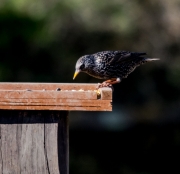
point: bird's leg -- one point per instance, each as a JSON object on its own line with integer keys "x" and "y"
{"x": 109, "y": 83}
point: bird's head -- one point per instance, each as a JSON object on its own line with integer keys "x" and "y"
{"x": 82, "y": 65}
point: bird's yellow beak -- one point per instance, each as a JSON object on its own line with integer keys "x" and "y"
{"x": 75, "y": 74}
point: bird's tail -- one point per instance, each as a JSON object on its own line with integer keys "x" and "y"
{"x": 151, "y": 59}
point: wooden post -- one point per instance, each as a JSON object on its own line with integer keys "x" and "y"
{"x": 34, "y": 124}
{"x": 29, "y": 142}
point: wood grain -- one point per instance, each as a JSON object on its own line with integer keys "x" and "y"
{"x": 47, "y": 86}
{"x": 48, "y": 94}
{"x": 34, "y": 124}
{"x": 43, "y": 96}
{"x": 34, "y": 142}
{"x": 106, "y": 93}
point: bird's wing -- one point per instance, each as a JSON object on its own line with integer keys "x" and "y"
{"x": 121, "y": 56}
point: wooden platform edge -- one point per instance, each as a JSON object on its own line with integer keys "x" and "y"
{"x": 14, "y": 96}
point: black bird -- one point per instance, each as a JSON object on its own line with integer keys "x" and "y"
{"x": 111, "y": 66}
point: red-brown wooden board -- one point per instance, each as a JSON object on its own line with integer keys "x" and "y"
{"x": 44, "y": 96}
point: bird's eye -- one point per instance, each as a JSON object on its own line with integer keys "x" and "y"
{"x": 82, "y": 66}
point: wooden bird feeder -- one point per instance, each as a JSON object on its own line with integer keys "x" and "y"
{"x": 34, "y": 123}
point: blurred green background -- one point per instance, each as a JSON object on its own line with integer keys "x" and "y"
{"x": 40, "y": 41}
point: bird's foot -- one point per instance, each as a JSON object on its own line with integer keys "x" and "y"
{"x": 105, "y": 84}
{"x": 109, "y": 83}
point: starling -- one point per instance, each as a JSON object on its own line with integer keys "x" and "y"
{"x": 111, "y": 66}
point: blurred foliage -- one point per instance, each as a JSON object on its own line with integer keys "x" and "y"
{"x": 40, "y": 41}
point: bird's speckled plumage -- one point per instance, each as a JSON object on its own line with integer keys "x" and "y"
{"x": 110, "y": 64}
